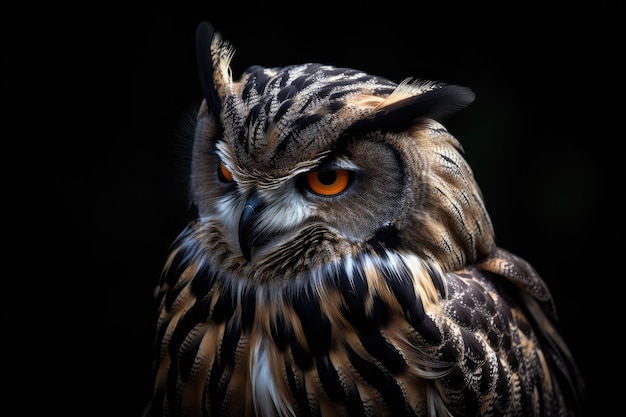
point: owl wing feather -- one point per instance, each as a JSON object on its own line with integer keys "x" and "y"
{"x": 541, "y": 311}
{"x": 502, "y": 307}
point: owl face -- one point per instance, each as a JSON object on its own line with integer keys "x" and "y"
{"x": 304, "y": 165}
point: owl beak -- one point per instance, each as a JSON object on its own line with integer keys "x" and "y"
{"x": 249, "y": 235}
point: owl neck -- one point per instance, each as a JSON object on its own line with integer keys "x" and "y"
{"x": 367, "y": 290}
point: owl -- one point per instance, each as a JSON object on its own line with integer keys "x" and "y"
{"x": 339, "y": 260}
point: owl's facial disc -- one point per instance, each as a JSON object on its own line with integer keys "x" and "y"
{"x": 332, "y": 201}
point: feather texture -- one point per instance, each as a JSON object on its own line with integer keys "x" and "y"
{"x": 340, "y": 261}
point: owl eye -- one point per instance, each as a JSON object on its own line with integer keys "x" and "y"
{"x": 223, "y": 173}
{"x": 328, "y": 183}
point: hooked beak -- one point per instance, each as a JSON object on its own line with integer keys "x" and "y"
{"x": 249, "y": 235}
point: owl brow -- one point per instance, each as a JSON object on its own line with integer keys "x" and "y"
{"x": 222, "y": 150}
{"x": 336, "y": 162}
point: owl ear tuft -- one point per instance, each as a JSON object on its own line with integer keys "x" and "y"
{"x": 436, "y": 104}
{"x": 213, "y": 56}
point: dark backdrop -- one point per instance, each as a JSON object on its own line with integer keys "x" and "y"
{"x": 95, "y": 187}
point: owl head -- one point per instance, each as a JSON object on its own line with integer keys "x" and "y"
{"x": 304, "y": 165}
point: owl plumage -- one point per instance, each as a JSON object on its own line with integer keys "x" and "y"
{"x": 340, "y": 260}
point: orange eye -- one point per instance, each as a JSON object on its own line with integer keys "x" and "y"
{"x": 223, "y": 173}
{"x": 328, "y": 182}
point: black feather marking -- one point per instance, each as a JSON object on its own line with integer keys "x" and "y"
{"x": 301, "y": 83}
{"x": 329, "y": 379}
{"x": 302, "y": 357}
{"x": 386, "y": 238}
{"x": 216, "y": 387}
{"x": 468, "y": 301}
{"x": 473, "y": 354}
{"x": 377, "y": 346}
{"x": 315, "y": 324}
{"x": 383, "y": 382}
{"x": 282, "y": 109}
{"x": 306, "y": 120}
{"x": 336, "y": 392}
{"x": 402, "y": 286}
{"x": 379, "y": 311}
{"x": 283, "y": 82}
{"x": 254, "y": 114}
{"x": 437, "y": 279}
{"x": 427, "y": 329}
{"x": 434, "y": 104}
{"x": 335, "y": 106}
{"x": 204, "y": 38}
{"x": 188, "y": 357}
{"x": 256, "y": 80}
{"x": 495, "y": 336}
{"x": 184, "y": 326}
{"x": 455, "y": 379}
{"x": 298, "y": 390}
{"x": 228, "y": 347}
{"x": 281, "y": 333}
{"x": 463, "y": 315}
{"x": 486, "y": 380}
{"x": 203, "y": 281}
{"x": 286, "y": 93}
{"x": 242, "y": 141}
{"x": 248, "y": 308}
{"x": 267, "y": 107}
{"x": 502, "y": 385}
{"x": 180, "y": 338}
{"x": 476, "y": 292}
{"x": 448, "y": 351}
{"x": 171, "y": 296}
{"x": 354, "y": 291}
{"x": 337, "y": 96}
{"x": 224, "y": 307}
{"x": 355, "y": 406}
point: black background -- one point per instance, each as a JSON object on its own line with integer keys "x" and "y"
{"x": 95, "y": 188}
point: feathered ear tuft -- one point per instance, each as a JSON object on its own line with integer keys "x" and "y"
{"x": 434, "y": 103}
{"x": 213, "y": 55}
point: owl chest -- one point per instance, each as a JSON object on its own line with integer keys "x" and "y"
{"x": 239, "y": 349}
{"x": 261, "y": 364}
{"x": 337, "y": 343}
{"x": 278, "y": 360}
